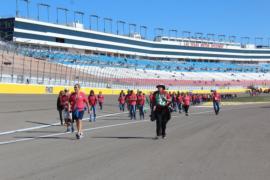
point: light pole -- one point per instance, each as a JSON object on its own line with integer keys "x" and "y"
{"x": 232, "y": 39}
{"x": 123, "y": 27}
{"x": 27, "y": 4}
{"x": 47, "y": 7}
{"x": 17, "y": 8}
{"x": 221, "y": 37}
{"x": 245, "y": 40}
{"x": 80, "y": 14}
{"x": 93, "y": 17}
{"x": 57, "y": 14}
{"x": 210, "y": 37}
{"x": 260, "y": 39}
{"x": 159, "y": 32}
{"x": 171, "y": 31}
{"x": 109, "y": 20}
{"x": 143, "y": 28}
{"x": 186, "y": 34}
{"x": 130, "y": 27}
{"x": 27, "y": 7}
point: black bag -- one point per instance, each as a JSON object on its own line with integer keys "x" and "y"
{"x": 152, "y": 116}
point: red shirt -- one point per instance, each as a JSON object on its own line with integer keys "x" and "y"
{"x": 92, "y": 99}
{"x": 127, "y": 98}
{"x": 77, "y": 101}
{"x": 179, "y": 99}
{"x": 122, "y": 99}
{"x": 186, "y": 100}
{"x": 132, "y": 99}
{"x": 64, "y": 101}
{"x": 216, "y": 97}
{"x": 100, "y": 98}
{"x": 140, "y": 99}
{"x": 151, "y": 98}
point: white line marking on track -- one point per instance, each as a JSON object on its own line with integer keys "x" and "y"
{"x": 100, "y": 127}
{"x": 49, "y": 125}
{"x": 63, "y": 133}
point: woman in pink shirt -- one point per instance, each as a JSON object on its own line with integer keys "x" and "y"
{"x": 122, "y": 101}
{"x": 100, "y": 100}
{"x": 140, "y": 104}
{"x": 186, "y": 103}
{"x": 77, "y": 102}
{"x": 92, "y": 99}
{"x": 132, "y": 99}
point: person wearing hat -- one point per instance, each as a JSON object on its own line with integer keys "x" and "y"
{"x": 161, "y": 112}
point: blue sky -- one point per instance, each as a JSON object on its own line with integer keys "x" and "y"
{"x": 231, "y": 17}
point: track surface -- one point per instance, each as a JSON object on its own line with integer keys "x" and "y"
{"x": 232, "y": 146}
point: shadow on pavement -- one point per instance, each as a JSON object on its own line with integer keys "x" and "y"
{"x": 121, "y": 137}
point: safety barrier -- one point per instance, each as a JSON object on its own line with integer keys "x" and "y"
{"x": 43, "y": 89}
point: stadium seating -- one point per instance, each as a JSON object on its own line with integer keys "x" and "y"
{"x": 65, "y": 68}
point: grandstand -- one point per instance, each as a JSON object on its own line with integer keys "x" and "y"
{"x": 55, "y": 54}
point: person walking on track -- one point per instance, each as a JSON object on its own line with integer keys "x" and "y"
{"x": 77, "y": 102}
{"x": 140, "y": 104}
{"x": 66, "y": 113}
{"x": 216, "y": 101}
{"x": 132, "y": 100}
{"x": 92, "y": 99}
{"x": 161, "y": 111}
{"x": 60, "y": 106}
{"x": 100, "y": 98}
{"x": 186, "y": 103}
{"x": 122, "y": 101}
{"x": 179, "y": 100}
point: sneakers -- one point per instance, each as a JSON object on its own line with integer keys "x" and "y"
{"x": 79, "y": 135}
{"x": 68, "y": 129}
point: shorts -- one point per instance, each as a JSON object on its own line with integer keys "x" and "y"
{"x": 77, "y": 115}
{"x": 66, "y": 114}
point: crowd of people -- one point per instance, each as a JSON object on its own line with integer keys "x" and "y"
{"x": 161, "y": 103}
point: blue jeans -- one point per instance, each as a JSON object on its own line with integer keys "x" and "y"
{"x": 216, "y": 106}
{"x": 141, "y": 110}
{"x": 122, "y": 107}
{"x": 93, "y": 113}
{"x": 132, "y": 110}
{"x": 179, "y": 107}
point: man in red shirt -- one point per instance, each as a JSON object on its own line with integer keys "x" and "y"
{"x": 77, "y": 102}
{"x": 186, "y": 103}
{"x": 100, "y": 100}
{"x": 92, "y": 99}
{"x": 161, "y": 112}
{"x": 132, "y": 100}
{"x": 140, "y": 104}
{"x": 216, "y": 101}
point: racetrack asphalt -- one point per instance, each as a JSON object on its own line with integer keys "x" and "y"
{"x": 235, "y": 145}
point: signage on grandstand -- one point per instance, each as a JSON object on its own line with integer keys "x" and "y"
{"x": 207, "y": 45}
